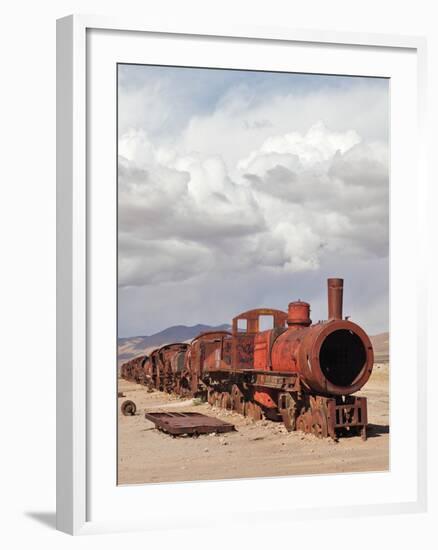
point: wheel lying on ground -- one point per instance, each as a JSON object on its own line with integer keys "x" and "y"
{"x": 128, "y": 408}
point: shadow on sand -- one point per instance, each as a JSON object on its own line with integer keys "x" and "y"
{"x": 376, "y": 430}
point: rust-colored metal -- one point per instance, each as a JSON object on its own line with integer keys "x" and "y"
{"x": 133, "y": 370}
{"x": 188, "y": 423}
{"x": 335, "y": 298}
{"x": 242, "y": 345}
{"x": 304, "y": 422}
{"x": 128, "y": 408}
{"x": 335, "y": 357}
{"x": 237, "y": 399}
{"x": 347, "y": 415}
{"x": 298, "y": 314}
{"x": 210, "y": 397}
{"x": 226, "y": 400}
{"x": 171, "y": 362}
{"x": 319, "y": 423}
{"x": 253, "y": 411}
{"x": 305, "y": 375}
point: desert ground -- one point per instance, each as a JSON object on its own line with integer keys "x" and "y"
{"x": 255, "y": 449}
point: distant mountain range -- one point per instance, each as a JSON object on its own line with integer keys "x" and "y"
{"x": 138, "y": 345}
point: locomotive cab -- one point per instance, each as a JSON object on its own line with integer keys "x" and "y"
{"x": 244, "y": 335}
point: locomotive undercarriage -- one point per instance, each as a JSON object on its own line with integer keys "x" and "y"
{"x": 299, "y": 411}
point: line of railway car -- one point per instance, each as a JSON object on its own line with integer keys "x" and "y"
{"x": 301, "y": 373}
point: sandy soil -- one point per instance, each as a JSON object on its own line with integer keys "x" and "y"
{"x": 255, "y": 449}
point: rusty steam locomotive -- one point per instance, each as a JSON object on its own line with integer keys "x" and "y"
{"x": 301, "y": 373}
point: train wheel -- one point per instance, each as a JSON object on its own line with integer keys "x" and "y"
{"x": 128, "y": 408}
{"x": 226, "y": 401}
{"x": 319, "y": 424}
{"x": 237, "y": 399}
{"x": 217, "y": 399}
{"x": 301, "y": 424}
{"x": 289, "y": 419}
{"x": 210, "y": 397}
{"x": 254, "y": 411}
{"x": 304, "y": 422}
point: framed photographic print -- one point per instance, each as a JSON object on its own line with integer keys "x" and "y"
{"x": 239, "y": 248}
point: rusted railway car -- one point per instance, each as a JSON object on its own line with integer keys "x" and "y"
{"x": 134, "y": 369}
{"x": 301, "y": 373}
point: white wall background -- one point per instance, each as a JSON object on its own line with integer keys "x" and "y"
{"x": 27, "y": 285}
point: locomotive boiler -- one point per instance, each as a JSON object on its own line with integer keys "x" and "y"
{"x": 301, "y": 373}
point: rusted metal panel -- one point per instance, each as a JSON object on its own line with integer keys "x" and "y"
{"x": 188, "y": 423}
{"x": 262, "y": 350}
{"x": 242, "y": 351}
{"x": 210, "y": 351}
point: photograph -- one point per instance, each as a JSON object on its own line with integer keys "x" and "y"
{"x": 253, "y": 257}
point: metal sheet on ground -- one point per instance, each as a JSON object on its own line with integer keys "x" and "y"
{"x": 177, "y": 423}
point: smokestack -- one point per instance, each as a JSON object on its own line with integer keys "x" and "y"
{"x": 335, "y": 293}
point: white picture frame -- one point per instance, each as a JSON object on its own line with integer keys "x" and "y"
{"x": 76, "y": 213}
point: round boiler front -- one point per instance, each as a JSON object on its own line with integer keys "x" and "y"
{"x": 342, "y": 357}
{"x": 334, "y": 358}
{"x": 337, "y": 357}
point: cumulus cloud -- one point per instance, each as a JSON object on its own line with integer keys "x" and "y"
{"x": 287, "y": 204}
{"x": 243, "y": 121}
{"x": 241, "y": 189}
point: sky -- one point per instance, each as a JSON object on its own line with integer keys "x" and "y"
{"x": 244, "y": 189}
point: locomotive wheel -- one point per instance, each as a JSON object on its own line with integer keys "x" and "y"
{"x": 210, "y": 397}
{"x": 319, "y": 424}
{"x": 237, "y": 399}
{"x": 304, "y": 422}
{"x": 128, "y": 408}
{"x": 308, "y": 421}
{"x": 301, "y": 424}
{"x": 289, "y": 420}
{"x": 226, "y": 401}
{"x": 249, "y": 409}
{"x": 254, "y": 411}
{"x": 258, "y": 412}
{"x": 217, "y": 399}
